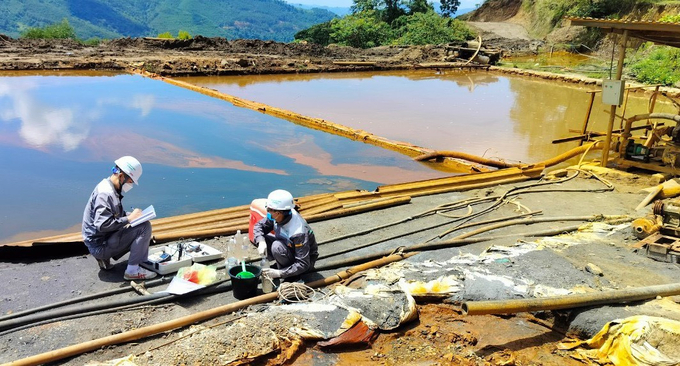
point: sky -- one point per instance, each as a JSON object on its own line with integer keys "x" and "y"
{"x": 347, "y": 3}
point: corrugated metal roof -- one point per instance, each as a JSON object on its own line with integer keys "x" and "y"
{"x": 664, "y": 33}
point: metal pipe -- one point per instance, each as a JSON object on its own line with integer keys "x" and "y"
{"x": 569, "y": 301}
{"x": 190, "y": 319}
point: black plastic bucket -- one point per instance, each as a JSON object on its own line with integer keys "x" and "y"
{"x": 244, "y": 287}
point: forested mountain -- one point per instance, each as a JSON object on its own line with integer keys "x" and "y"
{"x": 258, "y": 19}
{"x": 334, "y": 9}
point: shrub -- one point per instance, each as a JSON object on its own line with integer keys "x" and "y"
{"x": 183, "y": 35}
{"x": 660, "y": 67}
{"x": 61, "y": 30}
{"x": 430, "y": 28}
{"x": 670, "y": 18}
{"x": 319, "y": 34}
{"x": 167, "y": 35}
{"x": 92, "y": 41}
{"x": 362, "y": 30}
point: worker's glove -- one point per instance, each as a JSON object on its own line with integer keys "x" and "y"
{"x": 272, "y": 273}
{"x": 262, "y": 247}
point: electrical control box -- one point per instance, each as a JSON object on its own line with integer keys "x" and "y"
{"x": 612, "y": 91}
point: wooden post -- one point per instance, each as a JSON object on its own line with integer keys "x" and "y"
{"x": 587, "y": 119}
{"x": 612, "y": 113}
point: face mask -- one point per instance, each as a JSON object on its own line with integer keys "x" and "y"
{"x": 127, "y": 187}
{"x": 269, "y": 217}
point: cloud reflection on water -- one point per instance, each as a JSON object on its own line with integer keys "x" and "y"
{"x": 307, "y": 152}
{"x": 43, "y": 125}
{"x": 107, "y": 146}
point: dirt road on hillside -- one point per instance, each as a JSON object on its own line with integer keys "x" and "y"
{"x": 512, "y": 38}
{"x": 500, "y": 30}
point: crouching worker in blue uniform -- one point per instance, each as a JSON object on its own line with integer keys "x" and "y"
{"x": 284, "y": 236}
{"x": 106, "y": 230}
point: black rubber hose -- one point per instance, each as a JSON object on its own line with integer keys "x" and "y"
{"x": 146, "y": 300}
{"x": 98, "y": 295}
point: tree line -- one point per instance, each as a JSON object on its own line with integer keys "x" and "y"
{"x": 373, "y": 23}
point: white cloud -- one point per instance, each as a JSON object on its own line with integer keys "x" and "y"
{"x": 42, "y": 125}
{"x": 144, "y": 102}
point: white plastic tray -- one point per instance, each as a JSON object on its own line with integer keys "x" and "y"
{"x": 205, "y": 253}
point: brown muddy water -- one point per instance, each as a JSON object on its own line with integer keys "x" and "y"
{"x": 497, "y": 116}
{"x": 60, "y": 133}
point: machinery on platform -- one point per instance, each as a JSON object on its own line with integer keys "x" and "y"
{"x": 660, "y": 147}
{"x": 660, "y": 232}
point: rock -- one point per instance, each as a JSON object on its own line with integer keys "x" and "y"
{"x": 594, "y": 269}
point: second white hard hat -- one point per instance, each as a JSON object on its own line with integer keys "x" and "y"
{"x": 280, "y": 200}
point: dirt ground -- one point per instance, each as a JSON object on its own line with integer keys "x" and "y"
{"x": 440, "y": 335}
{"x": 218, "y": 56}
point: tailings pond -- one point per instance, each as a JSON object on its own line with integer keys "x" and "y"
{"x": 59, "y": 135}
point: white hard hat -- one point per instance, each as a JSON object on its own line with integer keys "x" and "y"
{"x": 130, "y": 166}
{"x": 280, "y": 200}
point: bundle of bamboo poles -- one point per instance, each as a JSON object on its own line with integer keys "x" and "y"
{"x": 314, "y": 208}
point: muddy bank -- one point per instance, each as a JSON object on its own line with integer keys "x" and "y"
{"x": 580, "y": 79}
{"x": 211, "y": 56}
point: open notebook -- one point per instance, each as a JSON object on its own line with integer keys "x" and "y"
{"x": 148, "y": 214}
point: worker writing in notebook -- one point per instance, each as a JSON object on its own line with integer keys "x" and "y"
{"x": 284, "y": 236}
{"x": 106, "y": 230}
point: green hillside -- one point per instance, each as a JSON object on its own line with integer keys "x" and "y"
{"x": 258, "y": 19}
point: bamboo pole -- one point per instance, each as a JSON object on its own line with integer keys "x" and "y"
{"x": 612, "y": 114}
{"x": 461, "y": 155}
{"x": 180, "y": 234}
{"x": 190, "y": 319}
{"x": 569, "y": 301}
{"x": 457, "y": 183}
{"x": 412, "y": 189}
{"x": 584, "y": 129}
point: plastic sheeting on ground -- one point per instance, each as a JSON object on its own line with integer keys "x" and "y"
{"x": 637, "y": 340}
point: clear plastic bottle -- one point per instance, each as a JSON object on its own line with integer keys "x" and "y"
{"x": 231, "y": 254}
{"x": 267, "y": 284}
{"x": 243, "y": 244}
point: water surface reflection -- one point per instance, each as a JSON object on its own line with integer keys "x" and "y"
{"x": 60, "y": 134}
{"x": 493, "y": 115}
